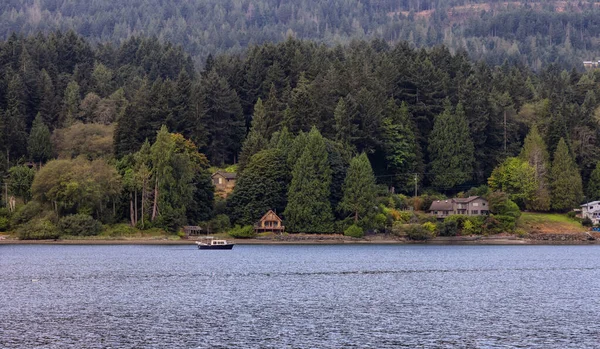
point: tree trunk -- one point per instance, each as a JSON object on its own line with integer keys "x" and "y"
{"x": 143, "y": 199}
{"x": 136, "y": 206}
{"x": 131, "y": 212}
{"x": 355, "y": 217}
{"x": 155, "y": 206}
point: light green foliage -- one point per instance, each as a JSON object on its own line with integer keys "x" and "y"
{"x": 20, "y": 179}
{"x": 39, "y": 229}
{"x": 77, "y": 186}
{"x": 71, "y": 102}
{"x": 242, "y": 232}
{"x": 354, "y": 231}
{"x": 431, "y": 227}
{"x": 565, "y": 180}
{"x": 534, "y": 152}
{"x": 173, "y": 170}
{"x": 39, "y": 145}
{"x": 308, "y": 209}
{"x": 516, "y": 178}
{"x": 93, "y": 141}
{"x": 359, "y": 188}
{"x": 451, "y": 149}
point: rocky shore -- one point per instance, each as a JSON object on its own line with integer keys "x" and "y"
{"x": 317, "y": 239}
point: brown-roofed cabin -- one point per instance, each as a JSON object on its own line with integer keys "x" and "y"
{"x": 269, "y": 222}
{"x": 224, "y": 183}
{"x": 471, "y": 206}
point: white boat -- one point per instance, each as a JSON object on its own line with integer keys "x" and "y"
{"x": 210, "y": 243}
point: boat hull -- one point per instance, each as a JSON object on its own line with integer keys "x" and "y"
{"x": 215, "y": 247}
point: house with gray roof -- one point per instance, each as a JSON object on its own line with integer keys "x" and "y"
{"x": 591, "y": 210}
{"x": 471, "y": 206}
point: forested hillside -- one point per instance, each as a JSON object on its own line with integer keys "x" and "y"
{"x": 135, "y": 127}
{"x": 533, "y": 33}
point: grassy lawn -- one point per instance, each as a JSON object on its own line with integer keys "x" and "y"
{"x": 549, "y": 223}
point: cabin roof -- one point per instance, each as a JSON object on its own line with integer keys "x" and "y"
{"x": 441, "y": 205}
{"x": 270, "y": 212}
{"x": 466, "y": 200}
{"x": 227, "y": 175}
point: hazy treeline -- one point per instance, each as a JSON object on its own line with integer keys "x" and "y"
{"x": 529, "y": 32}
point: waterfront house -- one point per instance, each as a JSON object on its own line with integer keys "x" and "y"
{"x": 591, "y": 210}
{"x": 224, "y": 183}
{"x": 269, "y": 222}
{"x": 471, "y": 206}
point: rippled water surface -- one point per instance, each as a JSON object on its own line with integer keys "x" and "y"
{"x": 300, "y": 297}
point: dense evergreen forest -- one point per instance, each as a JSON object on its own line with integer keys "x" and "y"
{"x": 127, "y": 132}
{"x": 533, "y": 33}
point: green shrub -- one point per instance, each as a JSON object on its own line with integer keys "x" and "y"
{"x": 381, "y": 221}
{"x": 26, "y": 213}
{"x": 587, "y": 222}
{"x": 4, "y": 225}
{"x": 572, "y": 214}
{"x": 79, "y": 225}
{"x": 120, "y": 230}
{"x": 244, "y": 232}
{"x": 417, "y": 232}
{"x": 476, "y": 227}
{"x": 429, "y": 226}
{"x": 458, "y": 218}
{"x": 449, "y": 228}
{"x": 497, "y": 224}
{"x": 219, "y": 224}
{"x": 40, "y": 229}
{"x": 423, "y": 217}
{"x": 354, "y": 231}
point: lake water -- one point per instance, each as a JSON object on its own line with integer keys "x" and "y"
{"x": 366, "y": 296}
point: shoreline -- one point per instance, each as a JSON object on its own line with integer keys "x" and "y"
{"x": 327, "y": 240}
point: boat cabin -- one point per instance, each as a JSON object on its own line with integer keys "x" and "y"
{"x": 269, "y": 222}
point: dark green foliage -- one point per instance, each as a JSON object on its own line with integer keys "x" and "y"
{"x": 242, "y": 232}
{"x": 417, "y": 232}
{"x": 39, "y": 145}
{"x": 308, "y": 209}
{"x": 223, "y": 119}
{"x": 354, "y": 231}
{"x": 593, "y": 188}
{"x": 565, "y": 179}
{"x": 26, "y": 213}
{"x": 262, "y": 186}
{"x": 587, "y": 222}
{"x": 219, "y": 224}
{"x": 359, "y": 188}
{"x": 79, "y": 225}
{"x": 450, "y": 149}
{"x": 448, "y": 228}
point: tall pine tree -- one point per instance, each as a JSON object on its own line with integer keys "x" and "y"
{"x": 39, "y": 145}
{"x": 308, "y": 209}
{"x": 359, "y": 188}
{"x": 450, "y": 149}
{"x": 565, "y": 180}
{"x": 535, "y": 153}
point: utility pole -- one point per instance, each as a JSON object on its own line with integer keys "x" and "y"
{"x": 416, "y": 184}
{"x": 505, "y": 131}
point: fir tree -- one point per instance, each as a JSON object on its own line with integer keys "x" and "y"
{"x": 593, "y": 188}
{"x": 359, "y": 188}
{"x": 71, "y": 102}
{"x": 39, "y": 144}
{"x": 450, "y": 149}
{"x": 345, "y": 128}
{"x": 257, "y": 137}
{"x": 399, "y": 144}
{"x": 535, "y": 153}
{"x": 565, "y": 180}
{"x": 308, "y": 209}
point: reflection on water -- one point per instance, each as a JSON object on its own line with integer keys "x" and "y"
{"x": 300, "y": 297}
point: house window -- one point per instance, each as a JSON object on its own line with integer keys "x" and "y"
{"x": 475, "y": 204}
{"x": 220, "y": 180}
{"x": 475, "y": 212}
